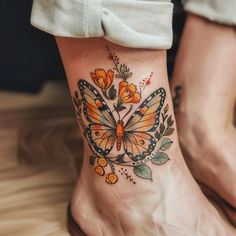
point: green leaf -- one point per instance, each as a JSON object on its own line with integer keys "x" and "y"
{"x": 120, "y": 158}
{"x": 112, "y": 92}
{"x": 160, "y": 158}
{"x": 124, "y": 68}
{"x": 170, "y": 122}
{"x": 76, "y": 94}
{"x": 130, "y": 74}
{"x": 164, "y": 117}
{"x": 126, "y": 74}
{"x": 165, "y": 144}
{"x": 157, "y": 135}
{"x": 169, "y": 131}
{"x": 143, "y": 171}
{"x": 77, "y": 102}
{"x": 166, "y": 108}
{"x": 162, "y": 128}
{"x": 74, "y": 100}
{"x": 120, "y": 108}
{"x": 92, "y": 160}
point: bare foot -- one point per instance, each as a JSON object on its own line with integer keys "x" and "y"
{"x": 137, "y": 182}
{"x": 204, "y": 79}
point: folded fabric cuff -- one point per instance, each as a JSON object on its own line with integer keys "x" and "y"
{"x": 129, "y": 23}
{"x": 215, "y": 10}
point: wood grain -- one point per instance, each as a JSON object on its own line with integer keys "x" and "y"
{"x": 40, "y": 153}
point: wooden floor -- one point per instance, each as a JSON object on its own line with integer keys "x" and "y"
{"x": 39, "y": 153}
{"x": 40, "y": 156}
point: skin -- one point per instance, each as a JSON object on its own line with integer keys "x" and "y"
{"x": 164, "y": 206}
{"x": 205, "y": 69}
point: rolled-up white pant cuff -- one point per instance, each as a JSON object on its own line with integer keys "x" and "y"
{"x": 129, "y": 23}
{"x": 221, "y": 11}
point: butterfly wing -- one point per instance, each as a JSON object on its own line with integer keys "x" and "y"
{"x": 138, "y": 142}
{"x": 95, "y": 108}
{"x": 147, "y": 116}
{"x": 138, "y": 145}
{"x": 102, "y": 125}
{"x": 102, "y": 138}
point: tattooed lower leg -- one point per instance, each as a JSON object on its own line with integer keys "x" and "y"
{"x": 126, "y": 152}
{"x": 116, "y": 138}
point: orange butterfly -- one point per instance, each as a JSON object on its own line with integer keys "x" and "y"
{"x": 104, "y": 131}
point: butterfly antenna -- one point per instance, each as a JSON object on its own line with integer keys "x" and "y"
{"x": 116, "y": 111}
{"x": 131, "y": 107}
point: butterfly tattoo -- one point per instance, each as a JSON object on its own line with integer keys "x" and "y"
{"x": 104, "y": 132}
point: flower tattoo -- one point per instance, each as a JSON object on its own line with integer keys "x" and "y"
{"x": 104, "y": 81}
{"x": 128, "y": 93}
{"x": 102, "y": 78}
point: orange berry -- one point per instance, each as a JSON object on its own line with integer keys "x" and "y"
{"x": 99, "y": 170}
{"x": 102, "y": 161}
{"x": 111, "y": 178}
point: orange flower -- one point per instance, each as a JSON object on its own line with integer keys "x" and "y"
{"x": 99, "y": 170}
{"x": 102, "y": 162}
{"x": 102, "y": 78}
{"x": 128, "y": 93}
{"x": 111, "y": 178}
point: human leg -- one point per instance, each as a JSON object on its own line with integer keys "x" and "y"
{"x": 155, "y": 196}
{"x": 204, "y": 78}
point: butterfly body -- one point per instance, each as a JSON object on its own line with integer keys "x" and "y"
{"x": 120, "y": 130}
{"x": 135, "y": 135}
